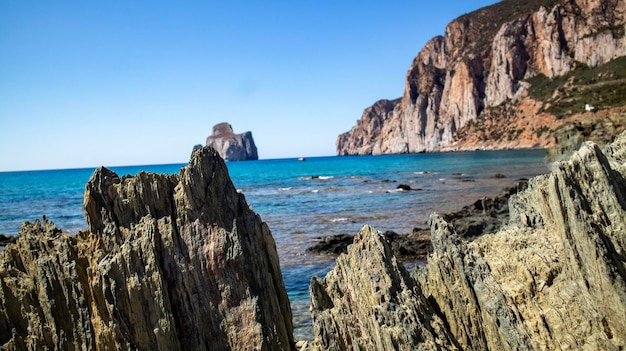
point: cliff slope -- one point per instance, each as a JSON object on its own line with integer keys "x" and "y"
{"x": 482, "y": 66}
{"x": 554, "y": 278}
{"x": 168, "y": 263}
{"x": 231, "y": 146}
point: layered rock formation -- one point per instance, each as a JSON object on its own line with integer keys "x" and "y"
{"x": 231, "y": 146}
{"x": 482, "y": 62}
{"x": 554, "y": 278}
{"x": 168, "y": 263}
{"x": 369, "y": 302}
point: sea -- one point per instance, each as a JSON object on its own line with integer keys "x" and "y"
{"x": 303, "y": 200}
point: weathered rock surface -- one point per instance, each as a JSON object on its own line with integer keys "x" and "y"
{"x": 367, "y": 130}
{"x": 483, "y": 61}
{"x": 231, "y": 146}
{"x": 168, "y": 263}
{"x": 554, "y": 278}
{"x": 369, "y": 302}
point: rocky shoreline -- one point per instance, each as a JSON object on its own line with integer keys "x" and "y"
{"x": 485, "y": 216}
{"x": 552, "y": 278}
{"x": 182, "y": 262}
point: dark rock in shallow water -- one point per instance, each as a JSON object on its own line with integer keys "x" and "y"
{"x": 412, "y": 246}
{"x": 7, "y": 239}
{"x": 404, "y": 187}
{"x": 486, "y": 215}
{"x": 332, "y": 244}
{"x": 169, "y": 263}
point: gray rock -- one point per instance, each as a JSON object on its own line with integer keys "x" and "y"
{"x": 231, "y": 146}
{"x": 369, "y": 302}
{"x": 168, "y": 263}
{"x": 552, "y": 278}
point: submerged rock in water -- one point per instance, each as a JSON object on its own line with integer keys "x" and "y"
{"x": 169, "y": 262}
{"x": 552, "y": 279}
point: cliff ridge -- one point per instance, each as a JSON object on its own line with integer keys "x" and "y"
{"x": 482, "y": 67}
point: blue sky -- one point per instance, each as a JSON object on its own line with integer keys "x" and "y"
{"x": 90, "y": 83}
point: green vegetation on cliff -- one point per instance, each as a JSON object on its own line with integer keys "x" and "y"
{"x": 602, "y": 86}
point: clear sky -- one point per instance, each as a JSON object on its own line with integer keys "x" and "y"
{"x": 90, "y": 83}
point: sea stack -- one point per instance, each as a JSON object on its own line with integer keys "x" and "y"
{"x": 231, "y": 146}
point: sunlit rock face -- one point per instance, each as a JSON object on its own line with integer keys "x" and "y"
{"x": 554, "y": 278}
{"x": 231, "y": 146}
{"x": 168, "y": 263}
{"x": 481, "y": 62}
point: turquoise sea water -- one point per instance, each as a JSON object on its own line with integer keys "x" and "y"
{"x": 303, "y": 200}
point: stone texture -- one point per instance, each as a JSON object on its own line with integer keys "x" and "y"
{"x": 168, "y": 262}
{"x": 553, "y": 278}
{"x": 369, "y": 302}
{"x": 231, "y": 146}
{"x": 601, "y": 128}
{"x": 480, "y": 63}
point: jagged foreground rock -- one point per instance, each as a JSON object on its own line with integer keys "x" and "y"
{"x": 369, "y": 301}
{"x": 552, "y": 279}
{"x": 168, "y": 263}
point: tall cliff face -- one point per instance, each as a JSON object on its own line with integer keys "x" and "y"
{"x": 368, "y": 127}
{"x": 168, "y": 263}
{"x": 554, "y": 278}
{"x": 231, "y": 146}
{"x": 481, "y": 62}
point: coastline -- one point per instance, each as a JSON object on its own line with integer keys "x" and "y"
{"x": 310, "y": 187}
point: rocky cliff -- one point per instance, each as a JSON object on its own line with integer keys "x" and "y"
{"x": 168, "y": 263}
{"x": 231, "y": 146}
{"x": 554, "y": 278}
{"x": 482, "y": 66}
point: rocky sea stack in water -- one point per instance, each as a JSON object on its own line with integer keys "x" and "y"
{"x": 553, "y": 278}
{"x": 168, "y": 263}
{"x": 231, "y": 146}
